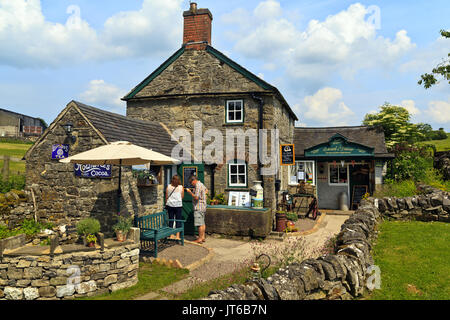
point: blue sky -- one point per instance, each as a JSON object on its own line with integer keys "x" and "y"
{"x": 334, "y": 61}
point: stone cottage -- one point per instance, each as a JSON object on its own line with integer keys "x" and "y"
{"x": 63, "y": 197}
{"x": 200, "y": 83}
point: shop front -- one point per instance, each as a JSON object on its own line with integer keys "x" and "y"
{"x": 342, "y": 169}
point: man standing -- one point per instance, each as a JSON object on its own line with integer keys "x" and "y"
{"x": 199, "y": 202}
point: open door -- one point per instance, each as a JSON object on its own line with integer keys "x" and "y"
{"x": 185, "y": 171}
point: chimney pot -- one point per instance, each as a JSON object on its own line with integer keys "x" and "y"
{"x": 193, "y": 7}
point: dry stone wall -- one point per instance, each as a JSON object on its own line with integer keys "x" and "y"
{"x": 344, "y": 274}
{"x": 30, "y": 277}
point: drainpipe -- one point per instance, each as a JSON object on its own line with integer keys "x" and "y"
{"x": 213, "y": 169}
{"x": 260, "y": 126}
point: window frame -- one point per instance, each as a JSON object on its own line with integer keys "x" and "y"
{"x": 339, "y": 183}
{"x": 227, "y": 120}
{"x": 296, "y": 170}
{"x": 237, "y": 185}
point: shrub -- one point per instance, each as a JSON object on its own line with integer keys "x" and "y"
{"x": 124, "y": 224}
{"x": 291, "y": 216}
{"x": 88, "y": 226}
{"x": 16, "y": 182}
{"x": 411, "y": 162}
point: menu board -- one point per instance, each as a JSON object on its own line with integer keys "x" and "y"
{"x": 358, "y": 194}
{"x": 287, "y": 155}
{"x": 187, "y": 173}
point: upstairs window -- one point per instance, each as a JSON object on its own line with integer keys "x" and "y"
{"x": 235, "y": 111}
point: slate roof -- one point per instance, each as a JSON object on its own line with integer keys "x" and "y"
{"x": 115, "y": 127}
{"x": 305, "y": 138}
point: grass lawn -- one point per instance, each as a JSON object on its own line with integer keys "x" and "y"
{"x": 441, "y": 145}
{"x": 414, "y": 259}
{"x": 152, "y": 277}
{"x": 15, "y": 150}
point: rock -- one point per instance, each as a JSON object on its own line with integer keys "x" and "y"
{"x": 23, "y": 264}
{"x": 47, "y": 292}
{"x": 58, "y": 281}
{"x": 86, "y": 287}
{"x": 177, "y": 264}
{"x": 64, "y": 291}
{"x": 131, "y": 253}
{"x": 320, "y": 295}
{"x": 30, "y": 293}
{"x": 1, "y": 294}
{"x": 112, "y": 278}
{"x": 123, "y": 285}
{"x": 32, "y": 273}
{"x": 13, "y": 293}
{"x": 40, "y": 283}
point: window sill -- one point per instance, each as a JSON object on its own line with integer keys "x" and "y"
{"x": 231, "y": 124}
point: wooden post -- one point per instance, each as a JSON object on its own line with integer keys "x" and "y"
{"x": 5, "y": 170}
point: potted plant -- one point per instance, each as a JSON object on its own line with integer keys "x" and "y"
{"x": 122, "y": 227}
{"x": 91, "y": 240}
{"x": 145, "y": 178}
{"x": 87, "y": 228}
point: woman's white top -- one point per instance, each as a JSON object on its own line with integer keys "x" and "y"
{"x": 175, "y": 199}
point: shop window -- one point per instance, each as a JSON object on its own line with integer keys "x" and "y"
{"x": 235, "y": 111}
{"x": 302, "y": 171}
{"x": 337, "y": 174}
{"x": 237, "y": 174}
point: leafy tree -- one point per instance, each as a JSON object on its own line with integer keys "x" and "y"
{"x": 441, "y": 70}
{"x": 426, "y": 130}
{"x": 396, "y": 124}
{"x": 411, "y": 162}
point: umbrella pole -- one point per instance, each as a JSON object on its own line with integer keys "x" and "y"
{"x": 119, "y": 191}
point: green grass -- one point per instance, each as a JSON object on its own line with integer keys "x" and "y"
{"x": 15, "y": 150}
{"x": 414, "y": 260}
{"x": 400, "y": 189}
{"x": 441, "y": 145}
{"x": 152, "y": 277}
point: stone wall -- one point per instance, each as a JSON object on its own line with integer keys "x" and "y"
{"x": 442, "y": 163}
{"x": 64, "y": 199}
{"x": 14, "y": 208}
{"x": 30, "y": 277}
{"x": 344, "y": 274}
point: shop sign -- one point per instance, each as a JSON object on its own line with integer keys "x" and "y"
{"x": 287, "y": 155}
{"x": 92, "y": 171}
{"x": 60, "y": 151}
{"x": 338, "y": 146}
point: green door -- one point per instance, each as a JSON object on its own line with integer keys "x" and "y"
{"x": 185, "y": 171}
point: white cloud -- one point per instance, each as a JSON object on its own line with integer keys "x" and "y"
{"x": 345, "y": 42}
{"x": 33, "y": 41}
{"x": 326, "y": 108}
{"x": 103, "y": 94}
{"x": 439, "y": 111}
{"x": 410, "y": 105}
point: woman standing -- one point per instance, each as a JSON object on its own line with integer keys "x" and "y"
{"x": 174, "y": 203}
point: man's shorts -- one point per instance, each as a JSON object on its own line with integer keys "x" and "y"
{"x": 199, "y": 218}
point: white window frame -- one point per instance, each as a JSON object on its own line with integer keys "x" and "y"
{"x": 296, "y": 170}
{"x": 329, "y": 175}
{"x": 230, "y": 184}
{"x": 227, "y": 112}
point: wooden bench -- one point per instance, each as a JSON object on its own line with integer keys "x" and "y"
{"x": 155, "y": 227}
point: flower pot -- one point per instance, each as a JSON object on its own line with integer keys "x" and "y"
{"x": 91, "y": 244}
{"x": 121, "y": 236}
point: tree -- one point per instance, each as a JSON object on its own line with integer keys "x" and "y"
{"x": 396, "y": 124}
{"x": 441, "y": 70}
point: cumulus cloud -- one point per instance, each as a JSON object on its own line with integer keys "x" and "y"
{"x": 439, "y": 111}
{"x": 345, "y": 42}
{"x": 326, "y": 107}
{"x": 103, "y": 94}
{"x": 33, "y": 41}
{"x": 410, "y": 105}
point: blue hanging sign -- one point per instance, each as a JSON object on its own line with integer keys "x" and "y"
{"x": 92, "y": 171}
{"x": 60, "y": 151}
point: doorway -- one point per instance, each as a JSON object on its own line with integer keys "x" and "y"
{"x": 359, "y": 176}
{"x": 185, "y": 171}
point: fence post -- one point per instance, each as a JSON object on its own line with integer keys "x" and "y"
{"x": 5, "y": 170}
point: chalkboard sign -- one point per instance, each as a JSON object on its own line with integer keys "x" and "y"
{"x": 358, "y": 194}
{"x": 187, "y": 173}
{"x": 287, "y": 155}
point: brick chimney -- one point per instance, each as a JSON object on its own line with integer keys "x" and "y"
{"x": 197, "y": 27}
